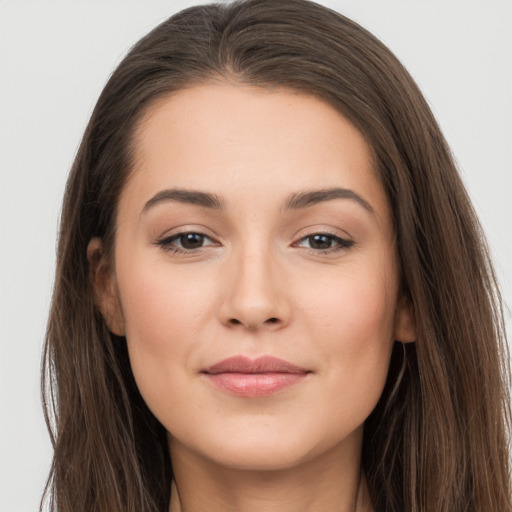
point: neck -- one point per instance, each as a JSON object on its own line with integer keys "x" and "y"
{"x": 333, "y": 483}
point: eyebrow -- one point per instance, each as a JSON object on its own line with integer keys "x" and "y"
{"x": 194, "y": 197}
{"x": 310, "y": 198}
{"x": 296, "y": 201}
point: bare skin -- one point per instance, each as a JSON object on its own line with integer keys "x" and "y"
{"x": 225, "y": 248}
{"x": 299, "y": 489}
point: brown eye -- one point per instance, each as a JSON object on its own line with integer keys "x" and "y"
{"x": 324, "y": 242}
{"x": 185, "y": 242}
{"x": 191, "y": 240}
{"x": 321, "y": 241}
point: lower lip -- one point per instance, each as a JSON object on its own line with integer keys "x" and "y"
{"x": 254, "y": 384}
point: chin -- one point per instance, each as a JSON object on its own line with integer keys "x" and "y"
{"x": 271, "y": 449}
{"x": 260, "y": 457}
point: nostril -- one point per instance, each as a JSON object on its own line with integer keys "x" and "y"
{"x": 273, "y": 320}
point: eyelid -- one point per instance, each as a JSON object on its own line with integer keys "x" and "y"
{"x": 188, "y": 228}
{"x": 322, "y": 230}
{"x": 165, "y": 241}
{"x": 177, "y": 236}
{"x": 344, "y": 241}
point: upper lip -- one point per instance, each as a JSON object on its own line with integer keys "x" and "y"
{"x": 263, "y": 364}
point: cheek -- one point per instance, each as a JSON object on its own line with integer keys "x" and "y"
{"x": 358, "y": 308}
{"x": 163, "y": 316}
{"x": 355, "y": 321}
{"x": 161, "y": 307}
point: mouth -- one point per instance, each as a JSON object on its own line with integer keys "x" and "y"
{"x": 246, "y": 377}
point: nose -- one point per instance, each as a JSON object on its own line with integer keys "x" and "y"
{"x": 254, "y": 293}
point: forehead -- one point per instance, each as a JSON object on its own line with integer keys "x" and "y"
{"x": 238, "y": 140}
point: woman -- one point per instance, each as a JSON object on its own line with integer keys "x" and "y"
{"x": 272, "y": 292}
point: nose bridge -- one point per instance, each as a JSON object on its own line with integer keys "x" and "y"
{"x": 255, "y": 293}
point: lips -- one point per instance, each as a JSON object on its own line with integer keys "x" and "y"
{"x": 264, "y": 364}
{"x": 246, "y": 377}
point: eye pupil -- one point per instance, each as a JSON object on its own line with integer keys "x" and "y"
{"x": 192, "y": 240}
{"x": 320, "y": 242}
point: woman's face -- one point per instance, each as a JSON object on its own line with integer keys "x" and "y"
{"x": 254, "y": 226}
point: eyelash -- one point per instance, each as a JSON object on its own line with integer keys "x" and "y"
{"x": 165, "y": 243}
{"x": 342, "y": 243}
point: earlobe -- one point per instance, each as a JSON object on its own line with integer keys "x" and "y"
{"x": 104, "y": 287}
{"x": 405, "y": 322}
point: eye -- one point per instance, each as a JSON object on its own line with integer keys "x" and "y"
{"x": 324, "y": 243}
{"x": 185, "y": 242}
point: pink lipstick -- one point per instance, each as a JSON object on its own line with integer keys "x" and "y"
{"x": 246, "y": 377}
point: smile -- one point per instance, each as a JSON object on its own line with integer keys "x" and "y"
{"x": 259, "y": 377}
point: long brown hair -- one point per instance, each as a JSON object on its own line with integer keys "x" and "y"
{"x": 438, "y": 439}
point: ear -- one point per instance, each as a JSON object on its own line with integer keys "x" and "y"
{"x": 405, "y": 322}
{"x": 104, "y": 287}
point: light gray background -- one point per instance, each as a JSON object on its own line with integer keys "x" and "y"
{"x": 54, "y": 59}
